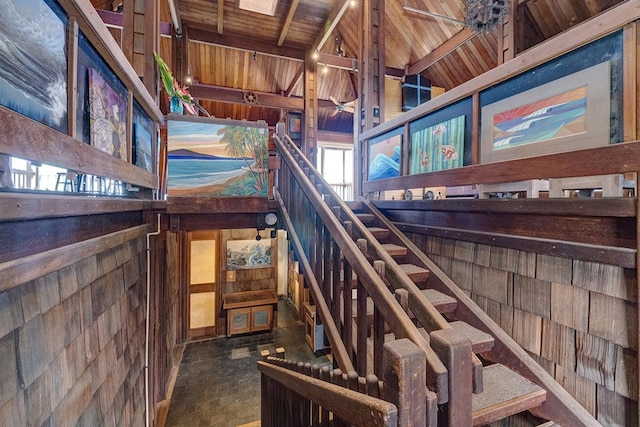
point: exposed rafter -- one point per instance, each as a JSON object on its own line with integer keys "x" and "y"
{"x": 237, "y": 96}
{"x": 441, "y": 51}
{"x": 295, "y": 81}
{"x": 245, "y": 43}
{"x": 330, "y": 24}
{"x": 287, "y": 21}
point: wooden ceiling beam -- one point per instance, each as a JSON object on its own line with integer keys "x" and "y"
{"x": 330, "y": 24}
{"x": 287, "y": 21}
{"x": 236, "y": 96}
{"x": 244, "y": 43}
{"x": 220, "y": 16}
{"x": 441, "y": 51}
{"x": 295, "y": 82}
{"x": 336, "y": 61}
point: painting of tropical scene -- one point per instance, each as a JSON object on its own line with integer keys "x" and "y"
{"x": 438, "y": 147}
{"x": 33, "y": 60}
{"x": 207, "y": 158}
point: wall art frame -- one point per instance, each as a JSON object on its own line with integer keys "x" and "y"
{"x": 552, "y": 118}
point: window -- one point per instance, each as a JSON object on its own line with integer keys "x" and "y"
{"x": 335, "y": 164}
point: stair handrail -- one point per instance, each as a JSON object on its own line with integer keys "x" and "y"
{"x": 394, "y": 315}
{"x": 505, "y": 349}
{"x": 351, "y": 406}
{"x": 322, "y": 310}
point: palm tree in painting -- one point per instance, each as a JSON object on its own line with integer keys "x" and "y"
{"x": 248, "y": 143}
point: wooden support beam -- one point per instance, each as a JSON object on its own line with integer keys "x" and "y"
{"x": 287, "y": 21}
{"x": 330, "y": 25}
{"x": 220, "y": 16}
{"x": 295, "y": 81}
{"x": 236, "y": 96}
{"x": 244, "y": 43}
{"x": 441, "y": 51}
{"x": 336, "y": 61}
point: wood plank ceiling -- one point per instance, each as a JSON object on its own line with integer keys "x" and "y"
{"x": 230, "y": 48}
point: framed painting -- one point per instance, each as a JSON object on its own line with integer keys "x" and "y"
{"x": 108, "y": 116}
{"x": 563, "y": 115}
{"x": 212, "y": 157}
{"x": 295, "y": 126}
{"x": 142, "y": 153}
{"x": 33, "y": 60}
{"x": 246, "y": 254}
{"x": 438, "y": 147}
{"x": 385, "y": 155}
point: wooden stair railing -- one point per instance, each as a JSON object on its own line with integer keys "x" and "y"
{"x": 297, "y": 394}
{"x": 506, "y": 392}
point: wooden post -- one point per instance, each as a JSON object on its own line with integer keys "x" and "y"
{"x": 455, "y": 352}
{"x": 405, "y": 382}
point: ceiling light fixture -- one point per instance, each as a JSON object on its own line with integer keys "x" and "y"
{"x": 315, "y": 55}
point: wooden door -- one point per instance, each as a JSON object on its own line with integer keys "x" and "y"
{"x": 202, "y": 253}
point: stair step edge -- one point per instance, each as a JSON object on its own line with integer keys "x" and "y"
{"x": 480, "y": 341}
{"x": 505, "y": 393}
{"x": 442, "y": 302}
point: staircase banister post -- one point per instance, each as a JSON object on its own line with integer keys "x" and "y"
{"x": 404, "y": 381}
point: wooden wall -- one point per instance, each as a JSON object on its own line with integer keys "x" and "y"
{"x": 72, "y": 343}
{"x": 578, "y": 319}
{"x": 242, "y": 280}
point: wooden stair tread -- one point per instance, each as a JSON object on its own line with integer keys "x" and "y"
{"x": 505, "y": 393}
{"x": 442, "y": 302}
{"x": 394, "y": 250}
{"x": 365, "y": 218}
{"x": 415, "y": 273}
{"x": 378, "y": 232}
{"x": 480, "y": 341}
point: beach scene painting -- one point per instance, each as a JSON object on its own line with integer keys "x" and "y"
{"x": 223, "y": 158}
{"x": 553, "y": 117}
{"x": 384, "y": 158}
{"x": 438, "y": 147}
{"x": 33, "y": 60}
{"x": 245, "y": 254}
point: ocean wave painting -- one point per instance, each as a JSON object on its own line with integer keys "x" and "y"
{"x": 557, "y": 116}
{"x": 245, "y": 254}
{"x": 384, "y": 158}
{"x": 33, "y": 60}
{"x": 208, "y": 158}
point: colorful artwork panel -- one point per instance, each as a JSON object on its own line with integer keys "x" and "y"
{"x": 566, "y": 114}
{"x": 33, "y": 60}
{"x": 246, "y": 254}
{"x": 384, "y": 158}
{"x": 224, "y": 158}
{"x": 560, "y": 115}
{"x": 143, "y": 138}
{"x": 438, "y": 147}
{"x": 108, "y": 115}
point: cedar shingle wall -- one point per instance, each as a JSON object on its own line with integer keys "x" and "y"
{"x": 72, "y": 343}
{"x": 577, "y": 319}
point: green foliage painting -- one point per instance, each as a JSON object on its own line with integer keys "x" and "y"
{"x": 437, "y": 147}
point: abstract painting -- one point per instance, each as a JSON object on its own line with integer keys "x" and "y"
{"x": 210, "y": 157}
{"x": 566, "y": 114}
{"x": 384, "y": 157}
{"x": 33, "y": 60}
{"x": 438, "y": 147}
{"x": 108, "y": 116}
{"x": 559, "y": 115}
{"x": 245, "y": 254}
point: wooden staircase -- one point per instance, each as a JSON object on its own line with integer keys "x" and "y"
{"x": 502, "y": 392}
{"x": 372, "y": 284}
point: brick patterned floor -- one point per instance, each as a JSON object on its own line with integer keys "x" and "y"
{"x": 218, "y": 384}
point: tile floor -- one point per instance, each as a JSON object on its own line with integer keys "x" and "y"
{"x": 218, "y": 384}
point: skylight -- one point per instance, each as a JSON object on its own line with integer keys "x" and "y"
{"x": 266, "y": 7}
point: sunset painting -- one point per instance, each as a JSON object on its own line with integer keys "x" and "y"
{"x": 216, "y": 159}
